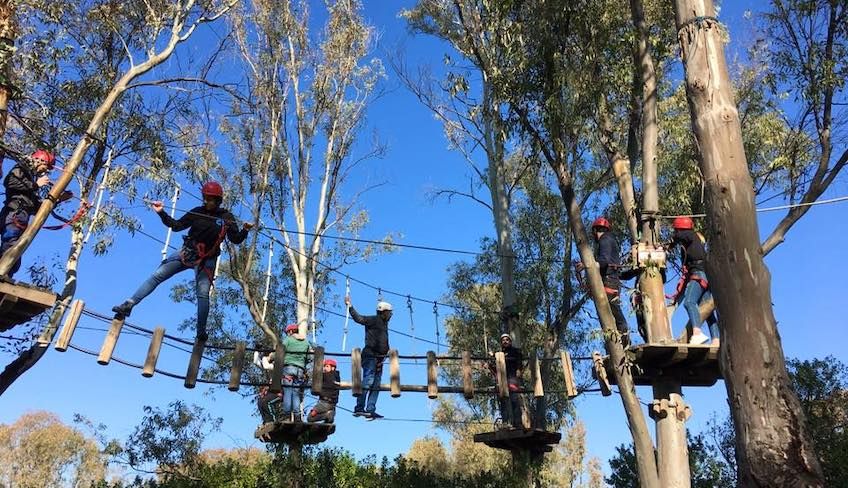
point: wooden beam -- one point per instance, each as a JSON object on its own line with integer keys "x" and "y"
{"x": 277, "y": 372}
{"x": 317, "y": 370}
{"x": 568, "y": 374}
{"x": 356, "y": 371}
{"x": 28, "y": 293}
{"x": 432, "y": 376}
{"x": 194, "y": 364}
{"x": 500, "y": 369}
{"x": 153, "y": 352}
{"x": 7, "y": 303}
{"x": 394, "y": 372}
{"x": 238, "y": 365}
{"x": 536, "y": 376}
{"x": 111, "y": 340}
{"x": 68, "y": 328}
{"x": 467, "y": 379}
{"x": 601, "y": 374}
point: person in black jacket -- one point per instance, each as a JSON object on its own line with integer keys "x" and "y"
{"x": 23, "y": 184}
{"x": 208, "y": 226}
{"x": 325, "y": 409}
{"x": 373, "y": 355}
{"x": 608, "y": 257}
{"x": 511, "y": 407}
{"x": 693, "y": 287}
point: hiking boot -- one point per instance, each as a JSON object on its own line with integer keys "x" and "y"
{"x": 123, "y": 310}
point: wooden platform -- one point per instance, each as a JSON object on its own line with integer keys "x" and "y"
{"x": 20, "y": 302}
{"x": 696, "y": 365}
{"x": 294, "y": 432}
{"x": 533, "y": 440}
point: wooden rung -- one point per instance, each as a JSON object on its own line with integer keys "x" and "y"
{"x": 111, "y": 340}
{"x": 467, "y": 379}
{"x": 356, "y": 371}
{"x": 69, "y": 327}
{"x": 568, "y": 374}
{"x": 500, "y": 368}
{"x": 394, "y": 372}
{"x": 601, "y": 374}
{"x": 277, "y": 372}
{"x": 194, "y": 364}
{"x": 432, "y": 376}
{"x": 536, "y": 375}
{"x": 153, "y": 352}
{"x": 317, "y": 370}
{"x": 238, "y": 364}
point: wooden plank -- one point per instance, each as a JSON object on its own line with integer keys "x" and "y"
{"x": 317, "y": 370}
{"x": 194, "y": 364}
{"x": 394, "y": 372}
{"x": 500, "y": 370}
{"x": 277, "y": 372}
{"x": 356, "y": 371}
{"x": 568, "y": 374}
{"x": 432, "y": 376}
{"x": 69, "y": 326}
{"x": 7, "y": 303}
{"x": 678, "y": 354}
{"x": 467, "y": 379}
{"x": 536, "y": 377}
{"x": 153, "y": 352}
{"x": 111, "y": 340}
{"x": 601, "y": 374}
{"x": 238, "y": 364}
{"x": 29, "y": 294}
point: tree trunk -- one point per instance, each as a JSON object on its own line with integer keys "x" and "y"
{"x": 645, "y": 459}
{"x": 8, "y": 35}
{"x": 773, "y": 446}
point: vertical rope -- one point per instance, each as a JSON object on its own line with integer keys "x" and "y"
{"x": 411, "y": 324}
{"x": 267, "y": 281}
{"x": 168, "y": 234}
{"x": 212, "y": 285}
{"x": 436, "y": 315}
{"x": 312, "y": 312}
{"x": 347, "y": 313}
{"x": 99, "y": 198}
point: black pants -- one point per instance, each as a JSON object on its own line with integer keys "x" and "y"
{"x": 511, "y": 406}
{"x": 269, "y": 404}
{"x": 323, "y": 410}
{"x": 620, "y": 320}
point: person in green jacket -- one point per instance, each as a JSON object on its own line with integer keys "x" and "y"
{"x": 294, "y": 372}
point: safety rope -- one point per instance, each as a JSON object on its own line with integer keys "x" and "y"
{"x": 347, "y": 314}
{"x": 436, "y": 315}
{"x": 411, "y": 322}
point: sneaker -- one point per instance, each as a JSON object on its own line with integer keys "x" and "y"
{"x": 715, "y": 343}
{"x": 699, "y": 338}
{"x": 359, "y": 413}
{"x": 123, "y": 310}
{"x": 374, "y": 416}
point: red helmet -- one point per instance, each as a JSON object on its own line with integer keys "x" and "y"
{"x": 601, "y": 222}
{"x": 683, "y": 223}
{"x": 292, "y": 327}
{"x": 212, "y": 189}
{"x": 330, "y": 362}
{"x": 45, "y": 156}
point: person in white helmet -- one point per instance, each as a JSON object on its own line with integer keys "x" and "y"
{"x": 373, "y": 355}
{"x": 511, "y": 407}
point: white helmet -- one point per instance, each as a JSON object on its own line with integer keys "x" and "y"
{"x": 383, "y": 306}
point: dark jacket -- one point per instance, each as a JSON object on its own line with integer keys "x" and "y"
{"x": 376, "y": 333}
{"x": 205, "y": 227}
{"x": 21, "y": 189}
{"x": 694, "y": 252}
{"x": 330, "y": 387}
{"x": 514, "y": 362}
{"x": 609, "y": 260}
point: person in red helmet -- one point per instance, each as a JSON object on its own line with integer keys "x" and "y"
{"x": 325, "y": 409}
{"x": 608, "y": 256}
{"x": 23, "y": 185}
{"x": 693, "y": 287}
{"x": 208, "y": 225}
{"x": 294, "y": 372}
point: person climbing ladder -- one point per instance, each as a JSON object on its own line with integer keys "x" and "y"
{"x": 208, "y": 226}
{"x": 693, "y": 287}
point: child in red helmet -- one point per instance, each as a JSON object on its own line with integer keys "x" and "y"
{"x": 608, "y": 256}
{"x": 294, "y": 372}
{"x": 23, "y": 184}
{"x": 208, "y": 226}
{"x": 693, "y": 287}
{"x": 325, "y": 409}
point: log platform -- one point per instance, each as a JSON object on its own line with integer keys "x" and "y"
{"x": 695, "y": 365}
{"x": 20, "y": 302}
{"x": 532, "y": 440}
{"x": 295, "y": 432}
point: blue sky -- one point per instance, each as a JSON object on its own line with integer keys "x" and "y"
{"x": 805, "y": 289}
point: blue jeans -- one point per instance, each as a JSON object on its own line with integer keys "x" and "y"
{"x": 291, "y": 392}
{"x": 693, "y": 295}
{"x": 13, "y": 223}
{"x": 372, "y": 375}
{"x": 173, "y": 265}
